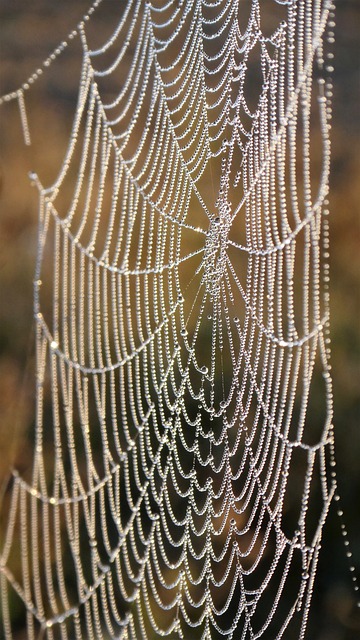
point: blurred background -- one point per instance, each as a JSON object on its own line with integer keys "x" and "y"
{"x": 27, "y": 34}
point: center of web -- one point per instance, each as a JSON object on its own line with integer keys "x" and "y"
{"x": 215, "y": 250}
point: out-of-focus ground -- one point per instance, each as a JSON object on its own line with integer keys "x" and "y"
{"x": 29, "y": 31}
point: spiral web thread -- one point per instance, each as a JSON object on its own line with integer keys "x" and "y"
{"x": 184, "y": 471}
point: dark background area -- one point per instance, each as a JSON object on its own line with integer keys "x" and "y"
{"x": 28, "y": 32}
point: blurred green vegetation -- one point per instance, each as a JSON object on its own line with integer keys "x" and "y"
{"x": 27, "y": 36}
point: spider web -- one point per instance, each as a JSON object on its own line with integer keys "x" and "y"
{"x": 181, "y": 481}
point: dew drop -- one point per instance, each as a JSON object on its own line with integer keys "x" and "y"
{"x": 305, "y": 576}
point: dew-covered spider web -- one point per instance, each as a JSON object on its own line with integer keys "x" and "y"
{"x": 183, "y": 475}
